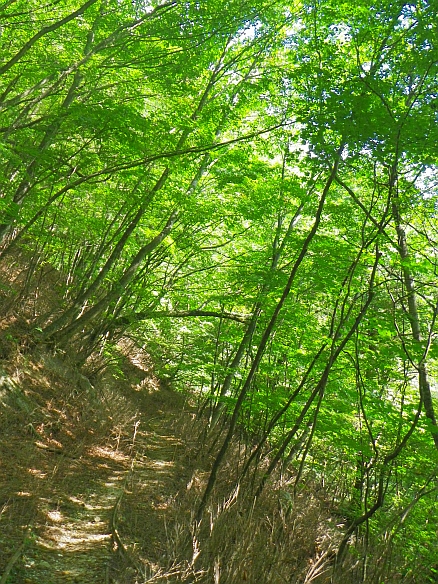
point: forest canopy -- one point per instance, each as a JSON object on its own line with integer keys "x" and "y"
{"x": 248, "y": 190}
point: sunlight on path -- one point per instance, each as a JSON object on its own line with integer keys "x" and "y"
{"x": 73, "y": 536}
{"x": 87, "y": 497}
{"x": 74, "y": 540}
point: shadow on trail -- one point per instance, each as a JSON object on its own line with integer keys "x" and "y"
{"x": 80, "y": 480}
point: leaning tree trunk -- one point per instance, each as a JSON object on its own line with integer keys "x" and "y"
{"x": 414, "y": 319}
{"x": 265, "y": 338}
{"x": 117, "y": 288}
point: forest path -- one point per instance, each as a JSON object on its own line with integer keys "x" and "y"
{"x": 80, "y": 492}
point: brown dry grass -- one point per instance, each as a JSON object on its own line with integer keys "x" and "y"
{"x": 76, "y": 463}
{"x": 102, "y": 471}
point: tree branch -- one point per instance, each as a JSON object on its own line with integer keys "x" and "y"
{"x": 47, "y": 29}
{"x": 139, "y": 316}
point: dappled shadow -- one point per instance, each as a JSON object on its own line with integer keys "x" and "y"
{"x": 82, "y": 478}
{"x": 58, "y": 508}
{"x": 147, "y": 509}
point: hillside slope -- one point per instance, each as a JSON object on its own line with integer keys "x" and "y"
{"x": 103, "y": 467}
{"x": 72, "y": 455}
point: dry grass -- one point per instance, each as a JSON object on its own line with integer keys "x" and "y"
{"x": 103, "y": 471}
{"x": 112, "y": 479}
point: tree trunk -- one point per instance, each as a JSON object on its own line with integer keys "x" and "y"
{"x": 118, "y": 288}
{"x": 265, "y": 338}
{"x": 414, "y": 319}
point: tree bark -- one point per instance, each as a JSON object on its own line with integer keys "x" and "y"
{"x": 265, "y": 338}
{"x": 414, "y": 319}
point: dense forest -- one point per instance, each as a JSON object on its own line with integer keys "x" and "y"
{"x": 247, "y": 191}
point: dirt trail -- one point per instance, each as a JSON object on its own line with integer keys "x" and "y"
{"x": 84, "y": 503}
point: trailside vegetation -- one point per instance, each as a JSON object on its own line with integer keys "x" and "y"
{"x": 248, "y": 190}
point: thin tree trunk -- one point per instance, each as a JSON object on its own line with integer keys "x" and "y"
{"x": 76, "y": 308}
{"x": 46, "y": 30}
{"x": 277, "y": 251}
{"x": 321, "y": 385}
{"x": 119, "y": 287}
{"x": 265, "y": 338}
{"x": 414, "y": 319}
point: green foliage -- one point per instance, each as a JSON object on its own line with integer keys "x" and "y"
{"x": 271, "y": 165}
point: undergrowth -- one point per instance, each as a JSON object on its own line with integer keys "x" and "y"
{"x": 67, "y": 430}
